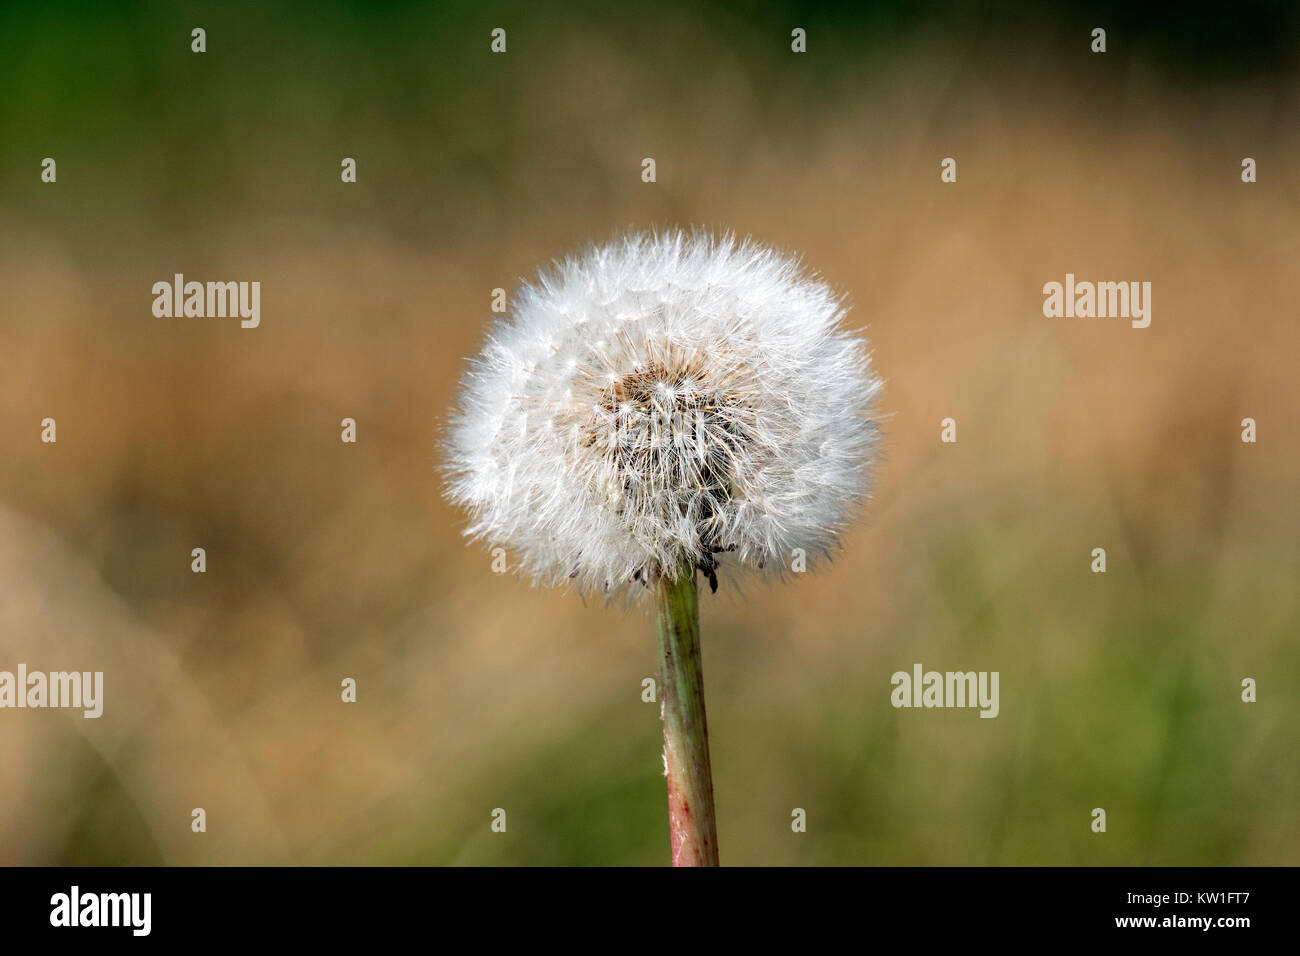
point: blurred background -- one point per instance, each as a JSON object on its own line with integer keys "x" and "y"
{"x": 328, "y": 560}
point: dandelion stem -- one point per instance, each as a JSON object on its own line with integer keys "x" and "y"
{"x": 692, "y": 828}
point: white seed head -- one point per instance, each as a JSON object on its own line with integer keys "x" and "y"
{"x": 657, "y": 403}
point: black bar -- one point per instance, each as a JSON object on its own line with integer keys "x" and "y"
{"x": 301, "y": 906}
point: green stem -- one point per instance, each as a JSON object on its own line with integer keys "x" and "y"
{"x": 692, "y": 828}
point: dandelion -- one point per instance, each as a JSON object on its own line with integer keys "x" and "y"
{"x": 660, "y": 406}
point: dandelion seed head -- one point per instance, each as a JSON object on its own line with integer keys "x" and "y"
{"x": 662, "y": 401}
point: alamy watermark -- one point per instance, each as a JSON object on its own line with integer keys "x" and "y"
{"x": 1102, "y": 300}
{"x": 75, "y": 908}
{"x": 213, "y": 300}
{"x": 951, "y": 689}
{"x": 79, "y": 689}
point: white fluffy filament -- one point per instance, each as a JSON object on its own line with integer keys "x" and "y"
{"x": 661, "y": 401}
